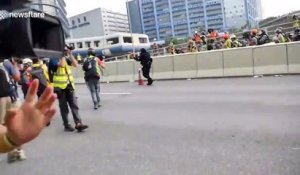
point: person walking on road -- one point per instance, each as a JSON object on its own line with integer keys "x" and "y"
{"x": 93, "y": 67}
{"x": 146, "y": 62}
{"x": 63, "y": 83}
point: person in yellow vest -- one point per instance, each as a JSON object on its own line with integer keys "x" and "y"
{"x": 172, "y": 48}
{"x": 296, "y": 22}
{"x": 93, "y": 68}
{"x": 33, "y": 114}
{"x": 63, "y": 83}
{"x": 228, "y": 42}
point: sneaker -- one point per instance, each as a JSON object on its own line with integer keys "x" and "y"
{"x": 95, "y": 107}
{"x": 12, "y": 156}
{"x": 69, "y": 128}
{"x": 16, "y": 155}
{"x": 150, "y": 81}
{"x": 80, "y": 127}
{"x": 21, "y": 155}
{"x": 99, "y": 105}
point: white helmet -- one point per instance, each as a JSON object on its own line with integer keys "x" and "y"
{"x": 27, "y": 61}
{"x": 233, "y": 36}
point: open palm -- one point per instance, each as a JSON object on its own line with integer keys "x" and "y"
{"x": 26, "y": 123}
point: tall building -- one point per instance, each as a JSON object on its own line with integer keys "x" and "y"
{"x": 160, "y": 19}
{"x": 54, "y": 8}
{"x": 242, "y": 13}
{"x": 98, "y": 22}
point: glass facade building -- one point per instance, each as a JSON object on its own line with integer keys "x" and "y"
{"x": 160, "y": 19}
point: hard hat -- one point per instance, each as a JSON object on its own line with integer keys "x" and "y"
{"x": 254, "y": 31}
{"x": 233, "y": 36}
{"x": 27, "y": 61}
{"x": 91, "y": 52}
{"x": 196, "y": 32}
{"x": 278, "y": 30}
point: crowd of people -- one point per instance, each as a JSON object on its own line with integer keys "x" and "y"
{"x": 42, "y": 81}
{"x": 212, "y": 40}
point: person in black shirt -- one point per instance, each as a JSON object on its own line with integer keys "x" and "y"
{"x": 146, "y": 62}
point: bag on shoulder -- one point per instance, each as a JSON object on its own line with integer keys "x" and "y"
{"x": 90, "y": 68}
{"x": 38, "y": 73}
{"x": 7, "y": 85}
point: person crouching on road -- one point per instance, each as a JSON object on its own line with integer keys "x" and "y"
{"x": 146, "y": 62}
{"x": 64, "y": 87}
{"x": 93, "y": 67}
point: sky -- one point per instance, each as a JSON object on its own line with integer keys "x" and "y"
{"x": 269, "y": 7}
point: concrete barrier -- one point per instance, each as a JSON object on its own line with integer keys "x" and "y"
{"x": 293, "y": 57}
{"x": 185, "y": 66}
{"x": 163, "y": 67}
{"x": 125, "y": 70}
{"x": 210, "y": 64}
{"x": 270, "y": 59}
{"x": 110, "y": 72}
{"x": 238, "y": 62}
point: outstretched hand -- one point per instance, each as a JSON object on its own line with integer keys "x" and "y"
{"x": 26, "y": 123}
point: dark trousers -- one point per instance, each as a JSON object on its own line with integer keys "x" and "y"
{"x": 67, "y": 97}
{"x": 146, "y": 71}
{"x": 93, "y": 85}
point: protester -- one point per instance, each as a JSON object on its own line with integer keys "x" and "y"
{"x": 93, "y": 68}
{"x": 146, "y": 62}
{"x": 64, "y": 85}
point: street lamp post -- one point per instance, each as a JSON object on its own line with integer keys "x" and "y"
{"x": 129, "y": 18}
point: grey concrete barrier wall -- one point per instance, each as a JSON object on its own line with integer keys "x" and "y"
{"x": 185, "y": 65}
{"x": 110, "y": 72}
{"x": 163, "y": 67}
{"x": 293, "y": 57}
{"x": 238, "y": 62}
{"x": 125, "y": 70}
{"x": 210, "y": 64}
{"x": 270, "y": 59}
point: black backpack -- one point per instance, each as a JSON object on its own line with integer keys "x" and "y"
{"x": 38, "y": 73}
{"x": 7, "y": 85}
{"x": 90, "y": 68}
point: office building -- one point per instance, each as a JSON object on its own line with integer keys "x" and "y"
{"x": 242, "y": 13}
{"x": 98, "y": 22}
{"x": 54, "y": 8}
{"x": 160, "y": 19}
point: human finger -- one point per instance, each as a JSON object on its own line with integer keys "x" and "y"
{"x": 45, "y": 106}
{"x": 31, "y": 94}
{"x": 47, "y": 94}
{"x": 49, "y": 115}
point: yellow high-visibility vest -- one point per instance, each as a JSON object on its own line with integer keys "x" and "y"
{"x": 62, "y": 77}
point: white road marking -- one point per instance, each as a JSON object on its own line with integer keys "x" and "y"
{"x": 294, "y": 148}
{"x": 125, "y": 93}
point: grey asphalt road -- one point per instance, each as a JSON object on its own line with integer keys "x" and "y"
{"x": 238, "y": 126}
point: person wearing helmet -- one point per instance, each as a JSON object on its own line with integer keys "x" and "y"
{"x": 296, "y": 35}
{"x": 280, "y": 36}
{"x": 263, "y": 38}
{"x": 253, "y": 37}
{"x": 235, "y": 41}
{"x": 197, "y": 39}
{"x": 92, "y": 68}
{"x": 192, "y": 47}
{"x": 296, "y": 22}
{"x": 228, "y": 42}
{"x": 146, "y": 61}
{"x": 64, "y": 86}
